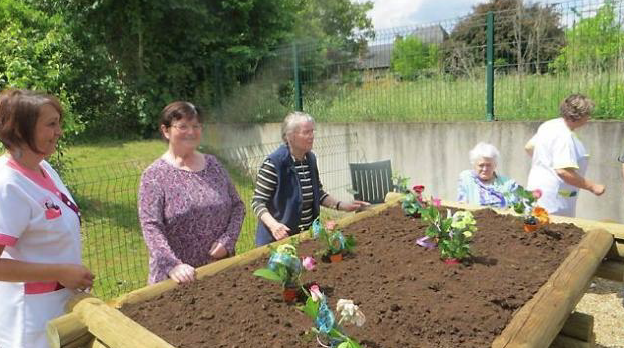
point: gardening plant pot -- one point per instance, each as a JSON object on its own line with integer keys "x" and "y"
{"x": 451, "y": 261}
{"x": 528, "y": 228}
{"x": 335, "y": 258}
{"x": 290, "y": 294}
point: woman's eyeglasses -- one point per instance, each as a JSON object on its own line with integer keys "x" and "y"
{"x": 184, "y": 127}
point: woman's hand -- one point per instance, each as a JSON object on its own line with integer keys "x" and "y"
{"x": 354, "y": 206}
{"x": 597, "y": 189}
{"x": 75, "y": 277}
{"x": 218, "y": 251}
{"x": 279, "y": 230}
{"x": 182, "y": 273}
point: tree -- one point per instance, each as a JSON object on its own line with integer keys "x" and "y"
{"x": 526, "y": 37}
{"x": 36, "y": 53}
{"x": 594, "y": 43}
{"x": 330, "y": 34}
{"x": 411, "y": 57}
{"x": 168, "y": 50}
{"x": 198, "y": 50}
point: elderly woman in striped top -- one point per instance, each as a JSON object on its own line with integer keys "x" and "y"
{"x": 288, "y": 192}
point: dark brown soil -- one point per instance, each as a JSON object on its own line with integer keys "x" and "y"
{"x": 410, "y": 298}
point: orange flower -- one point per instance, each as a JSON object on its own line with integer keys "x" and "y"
{"x": 541, "y": 214}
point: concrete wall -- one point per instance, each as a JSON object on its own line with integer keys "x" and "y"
{"x": 433, "y": 154}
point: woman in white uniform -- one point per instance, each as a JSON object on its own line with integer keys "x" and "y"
{"x": 40, "y": 248}
{"x": 560, "y": 159}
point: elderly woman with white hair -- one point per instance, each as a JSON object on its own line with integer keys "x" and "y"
{"x": 288, "y": 192}
{"x": 482, "y": 185}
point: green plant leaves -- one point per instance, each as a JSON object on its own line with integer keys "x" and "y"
{"x": 268, "y": 275}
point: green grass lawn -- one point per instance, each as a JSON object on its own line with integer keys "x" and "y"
{"x": 104, "y": 179}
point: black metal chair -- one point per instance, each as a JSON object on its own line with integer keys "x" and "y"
{"x": 371, "y": 181}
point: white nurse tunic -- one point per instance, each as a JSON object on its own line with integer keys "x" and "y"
{"x": 38, "y": 223}
{"x": 555, "y": 146}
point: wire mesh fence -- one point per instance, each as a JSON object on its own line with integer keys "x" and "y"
{"x": 113, "y": 246}
{"x": 438, "y": 71}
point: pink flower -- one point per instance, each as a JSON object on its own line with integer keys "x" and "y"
{"x": 436, "y": 202}
{"x": 316, "y": 293}
{"x": 330, "y": 225}
{"x": 537, "y": 193}
{"x": 309, "y": 263}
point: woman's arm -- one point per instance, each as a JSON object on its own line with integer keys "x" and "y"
{"x": 571, "y": 177}
{"x": 266, "y": 182}
{"x": 151, "y": 203}
{"x": 69, "y": 275}
{"x": 333, "y": 203}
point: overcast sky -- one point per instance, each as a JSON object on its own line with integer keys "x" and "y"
{"x": 397, "y": 13}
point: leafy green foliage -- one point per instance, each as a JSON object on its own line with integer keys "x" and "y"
{"x": 411, "y": 204}
{"x": 438, "y": 227}
{"x": 400, "y": 183}
{"x": 311, "y": 309}
{"x": 453, "y": 233}
{"x": 333, "y": 240}
{"x": 412, "y": 58}
{"x": 593, "y": 43}
{"x": 523, "y": 199}
{"x": 284, "y": 266}
{"x": 36, "y": 53}
{"x": 274, "y": 276}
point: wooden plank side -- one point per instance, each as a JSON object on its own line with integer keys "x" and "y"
{"x": 612, "y": 270}
{"x": 115, "y": 329}
{"x": 579, "y": 326}
{"x": 539, "y": 321}
{"x": 562, "y": 341}
{"x": 64, "y": 329}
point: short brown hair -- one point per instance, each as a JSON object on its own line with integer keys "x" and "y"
{"x": 19, "y": 112}
{"x": 179, "y": 110}
{"x": 575, "y": 107}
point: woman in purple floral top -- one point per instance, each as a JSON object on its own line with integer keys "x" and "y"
{"x": 189, "y": 209}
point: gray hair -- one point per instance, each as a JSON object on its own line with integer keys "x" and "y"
{"x": 575, "y": 107}
{"x": 292, "y": 121}
{"x": 482, "y": 150}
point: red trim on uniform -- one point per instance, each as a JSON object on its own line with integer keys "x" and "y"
{"x": 7, "y": 240}
{"x": 41, "y": 287}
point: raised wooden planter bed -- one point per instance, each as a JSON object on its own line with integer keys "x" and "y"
{"x": 91, "y": 323}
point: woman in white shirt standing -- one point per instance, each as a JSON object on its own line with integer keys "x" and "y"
{"x": 40, "y": 248}
{"x": 560, "y": 158}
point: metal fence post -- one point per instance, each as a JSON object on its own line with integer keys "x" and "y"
{"x": 298, "y": 96}
{"x": 490, "y": 67}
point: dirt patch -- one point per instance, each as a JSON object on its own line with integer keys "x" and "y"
{"x": 410, "y": 297}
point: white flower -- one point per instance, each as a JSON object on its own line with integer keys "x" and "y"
{"x": 350, "y": 312}
{"x": 316, "y": 293}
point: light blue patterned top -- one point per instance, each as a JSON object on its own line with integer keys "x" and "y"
{"x": 472, "y": 190}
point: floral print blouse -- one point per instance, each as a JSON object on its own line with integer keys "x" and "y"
{"x": 182, "y": 213}
{"x": 500, "y": 193}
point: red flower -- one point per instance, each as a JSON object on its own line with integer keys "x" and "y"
{"x": 537, "y": 193}
{"x": 418, "y": 188}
